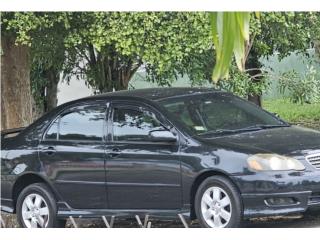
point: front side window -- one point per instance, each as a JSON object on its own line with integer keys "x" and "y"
{"x": 133, "y": 125}
{"x": 52, "y": 133}
{"x": 82, "y": 124}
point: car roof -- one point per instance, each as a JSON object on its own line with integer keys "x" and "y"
{"x": 155, "y": 94}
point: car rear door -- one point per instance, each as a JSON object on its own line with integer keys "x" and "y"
{"x": 73, "y": 156}
{"x": 140, "y": 174}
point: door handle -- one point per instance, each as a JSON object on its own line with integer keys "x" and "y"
{"x": 115, "y": 152}
{"x": 49, "y": 150}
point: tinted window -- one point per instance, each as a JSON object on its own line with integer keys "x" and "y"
{"x": 52, "y": 133}
{"x": 83, "y": 125}
{"x": 133, "y": 125}
{"x": 216, "y": 113}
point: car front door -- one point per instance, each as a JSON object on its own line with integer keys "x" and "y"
{"x": 73, "y": 155}
{"x": 141, "y": 174}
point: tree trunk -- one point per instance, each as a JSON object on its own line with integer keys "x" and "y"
{"x": 115, "y": 75}
{"x": 51, "y": 100}
{"x": 109, "y": 71}
{"x": 256, "y": 99}
{"x": 16, "y": 98}
{"x": 253, "y": 63}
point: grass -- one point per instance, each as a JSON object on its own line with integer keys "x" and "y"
{"x": 306, "y": 114}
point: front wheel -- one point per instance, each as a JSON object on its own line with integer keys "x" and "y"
{"x": 218, "y": 203}
{"x": 36, "y": 208}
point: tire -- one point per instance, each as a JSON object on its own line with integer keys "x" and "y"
{"x": 37, "y": 203}
{"x": 215, "y": 211}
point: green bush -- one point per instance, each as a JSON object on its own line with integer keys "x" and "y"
{"x": 242, "y": 84}
{"x": 301, "y": 89}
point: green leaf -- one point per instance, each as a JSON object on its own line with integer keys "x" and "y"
{"x": 230, "y": 32}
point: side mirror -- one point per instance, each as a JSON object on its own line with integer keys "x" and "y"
{"x": 162, "y": 136}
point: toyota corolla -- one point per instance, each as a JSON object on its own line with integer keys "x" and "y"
{"x": 199, "y": 152}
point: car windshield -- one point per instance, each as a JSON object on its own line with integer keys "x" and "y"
{"x": 218, "y": 114}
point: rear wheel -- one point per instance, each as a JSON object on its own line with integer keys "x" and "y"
{"x": 218, "y": 203}
{"x": 36, "y": 208}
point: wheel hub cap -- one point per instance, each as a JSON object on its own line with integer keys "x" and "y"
{"x": 35, "y": 211}
{"x": 216, "y": 207}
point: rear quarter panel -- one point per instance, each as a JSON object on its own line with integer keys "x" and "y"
{"x": 18, "y": 157}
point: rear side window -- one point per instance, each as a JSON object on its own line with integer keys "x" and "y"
{"x": 82, "y": 124}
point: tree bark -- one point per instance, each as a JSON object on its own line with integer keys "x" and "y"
{"x": 256, "y": 99}
{"x": 253, "y": 63}
{"x": 51, "y": 99}
{"x": 109, "y": 71}
{"x": 16, "y": 97}
{"x": 113, "y": 74}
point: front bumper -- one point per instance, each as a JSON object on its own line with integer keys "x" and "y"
{"x": 268, "y": 193}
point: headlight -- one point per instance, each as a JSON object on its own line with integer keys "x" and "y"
{"x": 274, "y": 162}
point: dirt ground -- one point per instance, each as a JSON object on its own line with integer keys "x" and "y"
{"x": 307, "y": 220}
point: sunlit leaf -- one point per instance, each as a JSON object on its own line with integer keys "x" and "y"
{"x": 230, "y": 33}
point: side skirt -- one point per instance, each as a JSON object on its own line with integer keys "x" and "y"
{"x": 65, "y": 211}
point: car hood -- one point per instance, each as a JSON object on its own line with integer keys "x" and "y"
{"x": 291, "y": 141}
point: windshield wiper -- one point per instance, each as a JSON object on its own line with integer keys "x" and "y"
{"x": 266, "y": 126}
{"x": 231, "y": 131}
{"x": 256, "y": 127}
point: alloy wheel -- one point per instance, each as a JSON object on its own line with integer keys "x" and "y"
{"x": 35, "y": 211}
{"x": 216, "y": 207}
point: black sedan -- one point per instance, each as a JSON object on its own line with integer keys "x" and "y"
{"x": 199, "y": 152}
